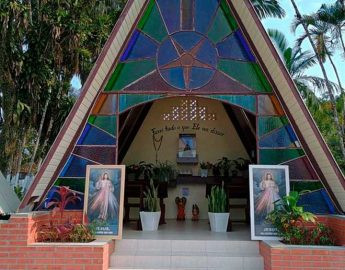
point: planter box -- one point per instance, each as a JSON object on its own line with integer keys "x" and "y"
{"x": 280, "y": 256}
{"x": 218, "y": 221}
{"x": 150, "y": 220}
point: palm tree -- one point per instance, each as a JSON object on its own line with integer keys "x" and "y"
{"x": 297, "y": 62}
{"x": 268, "y": 8}
{"x": 334, "y": 16}
{"x": 328, "y": 83}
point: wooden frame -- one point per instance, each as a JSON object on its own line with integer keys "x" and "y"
{"x": 107, "y": 224}
{"x": 267, "y": 183}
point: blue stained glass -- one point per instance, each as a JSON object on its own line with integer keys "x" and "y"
{"x": 95, "y": 136}
{"x": 207, "y": 54}
{"x": 279, "y": 138}
{"x": 204, "y": 12}
{"x": 187, "y": 40}
{"x": 233, "y": 48}
{"x": 75, "y": 167}
{"x": 127, "y": 101}
{"x": 245, "y": 45}
{"x": 170, "y": 11}
{"x": 174, "y": 76}
{"x": 167, "y": 53}
{"x": 245, "y": 102}
{"x": 200, "y": 76}
{"x": 140, "y": 46}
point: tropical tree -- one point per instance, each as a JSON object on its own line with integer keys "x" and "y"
{"x": 268, "y": 8}
{"x": 329, "y": 88}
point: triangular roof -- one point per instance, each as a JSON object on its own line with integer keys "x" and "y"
{"x": 243, "y": 32}
{"x": 9, "y": 201}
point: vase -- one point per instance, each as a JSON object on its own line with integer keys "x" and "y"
{"x": 150, "y": 220}
{"x": 203, "y": 173}
{"x": 218, "y": 221}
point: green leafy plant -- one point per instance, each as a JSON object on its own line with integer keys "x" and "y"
{"x": 291, "y": 221}
{"x": 19, "y": 192}
{"x": 164, "y": 172}
{"x": 226, "y": 165}
{"x": 69, "y": 231}
{"x": 218, "y": 200}
{"x": 151, "y": 202}
{"x": 206, "y": 165}
{"x": 241, "y": 164}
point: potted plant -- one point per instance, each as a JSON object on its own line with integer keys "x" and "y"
{"x": 204, "y": 167}
{"x": 216, "y": 170}
{"x": 242, "y": 165}
{"x": 164, "y": 174}
{"x": 146, "y": 169}
{"x": 296, "y": 226}
{"x": 218, "y": 213}
{"x": 225, "y": 164}
{"x": 151, "y": 213}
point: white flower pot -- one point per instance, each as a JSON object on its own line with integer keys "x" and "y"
{"x": 203, "y": 172}
{"x": 150, "y": 220}
{"x": 218, "y": 221}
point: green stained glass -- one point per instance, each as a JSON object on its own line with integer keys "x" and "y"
{"x": 127, "y": 101}
{"x": 105, "y": 122}
{"x": 77, "y": 184}
{"x": 246, "y": 73}
{"x": 223, "y": 24}
{"x": 152, "y": 24}
{"x": 246, "y": 102}
{"x": 278, "y": 156}
{"x": 126, "y": 73}
{"x": 268, "y": 124}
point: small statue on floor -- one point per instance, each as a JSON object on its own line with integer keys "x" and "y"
{"x": 195, "y": 212}
{"x": 181, "y": 204}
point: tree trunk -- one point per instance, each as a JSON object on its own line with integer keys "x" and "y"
{"x": 20, "y": 159}
{"x": 341, "y": 39}
{"x": 341, "y": 87}
{"x": 39, "y": 134}
{"x": 50, "y": 127}
{"x": 329, "y": 87}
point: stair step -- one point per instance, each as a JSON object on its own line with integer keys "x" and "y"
{"x": 182, "y": 254}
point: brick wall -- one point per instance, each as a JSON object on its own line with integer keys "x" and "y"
{"x": 279, "y": 256}
{"x": 18, "y": 249}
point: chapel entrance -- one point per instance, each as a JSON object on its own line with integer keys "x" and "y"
{"x": 202, "y": 141}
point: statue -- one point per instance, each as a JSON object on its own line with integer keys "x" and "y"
{"x": 195, "y": 212}
{"x": 181, "y": 204}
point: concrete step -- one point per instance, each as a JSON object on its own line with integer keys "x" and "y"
{"x": 181, "y": 254}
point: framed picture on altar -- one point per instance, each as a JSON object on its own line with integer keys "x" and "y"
{"x": 268, "y": 183}
{"x": 187, "y": 149}
{"x": 103, "y": 202}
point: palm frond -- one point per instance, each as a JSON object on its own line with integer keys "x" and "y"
{"x": 268, "y": 8}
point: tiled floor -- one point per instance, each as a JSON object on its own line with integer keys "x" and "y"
{"x": 188, "y": 230}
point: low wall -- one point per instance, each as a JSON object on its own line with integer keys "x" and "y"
{"x": 280, "y": 256}
{"x": 19, "y": 249}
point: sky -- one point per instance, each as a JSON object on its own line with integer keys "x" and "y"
{"x": 284, "y": 25}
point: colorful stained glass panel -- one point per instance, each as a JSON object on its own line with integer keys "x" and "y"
{"x": 75, "y": 167}
{"x": 267, "y": 124}
{"x": 95, "y": 136}
{"x": 248, "y": 74}
{"x": 140, "y": 47}
{"x": 127, "y": 101}
{"x": 106, "y": 123}
{"x": 278, "y": 156}
{"x": 204, "y": 12}
{"x": 99, "y": 154}
{"x": 151, "y": 23}
{"x": 170, "y": 11}
{"x": 269, "y": 105}
{"x": 280, "y": 137}
{"x": 245, "y": 102}
{"x": 220, "y": 27}
{"x": 106, "y": 105}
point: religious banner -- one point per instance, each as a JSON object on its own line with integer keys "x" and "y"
{"x": 103, "y": 203}
{"x": 268, "y": 184}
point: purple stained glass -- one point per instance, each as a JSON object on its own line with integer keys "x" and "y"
{"x": 99, "y": 154}
{"x": 204, "y": 13}
{"x": 187, "y": 14}
{"x": 75, "y": 167}
{"x": 170, "y": 11}
{"x": 232, "y": 48}
{"x": 95, "y": 136}
{"x": 140, "y": 46}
